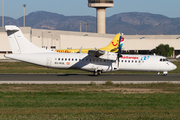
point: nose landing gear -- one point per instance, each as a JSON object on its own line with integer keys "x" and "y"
{"x": 164, "y": 73}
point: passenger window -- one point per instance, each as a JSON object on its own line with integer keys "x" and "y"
{"x": 72, "y": 59}
{"x": 125, "y": 60}
{"x": 121, "y": 60}
{"x": 62, "y": 59}
{"x": 132, "y": 61}
{"x": 69, "y": 59}
{"x": 160, "y": 59}
{"x": 59, "y": 59}
{"x": 139, "y": 61}
{"x": 136, "y": 61}
{"x": 129, "y": 61}
{"x": 76, "y": 59}
{"x": 65, "y": 59}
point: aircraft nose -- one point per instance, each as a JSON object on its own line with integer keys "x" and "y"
{"x": 174, "y": 67}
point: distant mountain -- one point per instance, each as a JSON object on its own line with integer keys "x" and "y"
{"x": 9, "y": 21}
{"x": 127, "y": 23}
{"x": 47, "y": 20}
{"x": 143, "y": 23}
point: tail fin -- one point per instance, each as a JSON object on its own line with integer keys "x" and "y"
{"x": 18, "y": 43}
{"x": 113, "y": 45}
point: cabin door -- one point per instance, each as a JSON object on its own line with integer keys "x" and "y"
{"x": 48, "y": 61}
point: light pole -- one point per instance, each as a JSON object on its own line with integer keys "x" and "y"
{"x": 80, "y": 26}
{"x": 2, "y": 13}
{"x": 24, "y": 14}
{"x": 86, "y": 25}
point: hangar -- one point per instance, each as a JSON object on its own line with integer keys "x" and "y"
{"x": 55, "y": 39}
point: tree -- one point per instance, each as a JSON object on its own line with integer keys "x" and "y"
{"x": 164, "y": 50}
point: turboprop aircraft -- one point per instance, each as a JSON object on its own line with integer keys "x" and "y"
{"x": 112, "y": 47}
{"x": 96, "y": 61}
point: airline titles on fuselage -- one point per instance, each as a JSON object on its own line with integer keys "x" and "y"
{"x": 124, "y": 59}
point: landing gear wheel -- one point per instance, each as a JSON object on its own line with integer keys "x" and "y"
{"x": 95, "y": 73}
{"x": 99, "y": 72}
{"x": 165, "y": 73}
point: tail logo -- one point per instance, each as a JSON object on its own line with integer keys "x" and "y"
{"x": 115, "y": 44}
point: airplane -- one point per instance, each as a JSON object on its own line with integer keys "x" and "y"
{"x": 178, "y": 56}
{"x": 112, "y": 47}
{"x": 96, "y": 61}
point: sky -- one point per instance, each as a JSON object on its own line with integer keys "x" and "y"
{"x": 14, "y": 8}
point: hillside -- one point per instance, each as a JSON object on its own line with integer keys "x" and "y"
{"x": 127, "y": 23}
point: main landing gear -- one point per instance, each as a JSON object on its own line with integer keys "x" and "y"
{"x": 98, "y": 72}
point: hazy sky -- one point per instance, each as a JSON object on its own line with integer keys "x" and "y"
{"x": 14, "y": 8}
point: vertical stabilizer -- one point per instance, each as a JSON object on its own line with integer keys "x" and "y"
{"x": 18, "y": 43}
{"x": 113, "y": 45}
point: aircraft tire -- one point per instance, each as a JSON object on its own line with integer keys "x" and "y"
{"x": 96, "y": 73}
{"x": 99, "y": 72}
{"x": 165, "y": 73}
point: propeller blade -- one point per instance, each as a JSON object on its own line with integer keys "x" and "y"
{"x": 119, "y": 50}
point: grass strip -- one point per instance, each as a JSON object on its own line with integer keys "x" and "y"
{"x": 97, "y": 105}
{"x": 97, "y": 102}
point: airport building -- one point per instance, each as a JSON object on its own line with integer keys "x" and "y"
{"x": 54, "y": 39}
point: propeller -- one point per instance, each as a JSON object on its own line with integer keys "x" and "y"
{"x": 119, "y": 50}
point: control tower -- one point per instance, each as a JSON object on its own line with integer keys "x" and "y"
{"x": 100, "y": 6}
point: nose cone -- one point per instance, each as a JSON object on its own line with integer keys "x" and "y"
{"x": 174, "y": 67}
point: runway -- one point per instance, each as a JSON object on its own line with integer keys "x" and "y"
{"x": 86, "y": 78}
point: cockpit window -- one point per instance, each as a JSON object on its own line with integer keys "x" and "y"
{"x": 163, "y": 59}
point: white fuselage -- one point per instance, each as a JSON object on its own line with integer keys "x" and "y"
{"x": 85, "y": 62}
